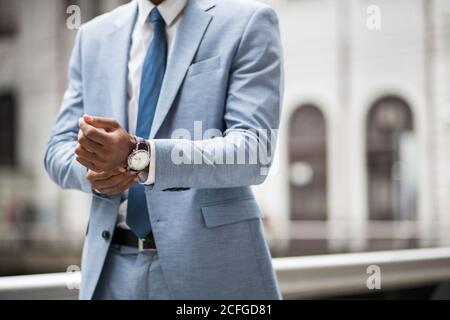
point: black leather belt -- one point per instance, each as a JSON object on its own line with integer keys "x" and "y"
{"x": 125, "y": 237}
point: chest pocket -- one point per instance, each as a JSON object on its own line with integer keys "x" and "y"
{"x": 204, "y": 66}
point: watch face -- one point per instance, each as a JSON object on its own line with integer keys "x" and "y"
{"x": 139, "y": 160}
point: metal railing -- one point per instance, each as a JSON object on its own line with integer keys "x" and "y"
{"x": 299, "y": 277}
{"x": 344, "y": 274}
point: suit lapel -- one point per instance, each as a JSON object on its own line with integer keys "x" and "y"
{"x": 189, "y": 35}
{"x": 116, "y": 61}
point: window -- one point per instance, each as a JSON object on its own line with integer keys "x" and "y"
{"x": 7, "y": 129}
{"x": 8, "y": 17}
{"x": 391, "y": 161}
{"x": 308, "y": 170}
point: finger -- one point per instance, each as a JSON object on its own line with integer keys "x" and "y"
{"x": 89, "y": 145}
{"x": 120, "y": 187}
{"x": 98, "y": 176}
{"x": 113, "y": 181}
{"x": 86, "y": 155}
{"x": 93, "y": 133}
{"x": 88, "y": 164}
{"x": 80, "y": 149}
{"x": 124, "y": 185}
{"x": 109, "y": 124}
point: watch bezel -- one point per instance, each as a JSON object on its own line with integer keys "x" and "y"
{"x": 133, "y": 154}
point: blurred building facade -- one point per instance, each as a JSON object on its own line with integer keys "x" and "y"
{"x": 41, "y": 226}
{"x": 362, "y": 153}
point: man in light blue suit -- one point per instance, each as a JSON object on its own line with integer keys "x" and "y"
{"x": 167, "y": 106}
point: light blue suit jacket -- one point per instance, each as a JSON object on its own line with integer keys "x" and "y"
{"x": 226, "y": 71}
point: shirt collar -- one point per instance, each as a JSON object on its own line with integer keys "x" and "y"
{"x": 169, "y": 10}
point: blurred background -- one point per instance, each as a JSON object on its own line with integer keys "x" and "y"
{"x": 363, "y": 154}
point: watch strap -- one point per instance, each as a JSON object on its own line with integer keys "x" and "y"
{"x": 141, "y": 144}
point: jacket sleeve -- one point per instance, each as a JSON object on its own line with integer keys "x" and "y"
{"x": 252, "y": 111}
{"x": 59, "y": 159}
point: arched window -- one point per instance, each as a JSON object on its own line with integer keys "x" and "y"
{"x": 391, "y": 160}
{"x": 307, "y": 160}
{"x": 8, "y": 112}
{"x": 8, "y": 18}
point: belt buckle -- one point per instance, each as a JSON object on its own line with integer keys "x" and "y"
{"x": 141, "y": 246}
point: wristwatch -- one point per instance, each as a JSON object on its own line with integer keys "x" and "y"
{"x": 139, "y": 159}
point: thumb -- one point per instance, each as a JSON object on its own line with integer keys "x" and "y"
{"x": 109, "y": 124}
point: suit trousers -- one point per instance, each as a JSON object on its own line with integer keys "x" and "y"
{"x": 131, "y": 275}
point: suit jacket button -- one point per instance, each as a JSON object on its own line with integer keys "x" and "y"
{"x": 105, "y": 234}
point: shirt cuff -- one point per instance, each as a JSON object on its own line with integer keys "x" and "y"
{"x": 148, "y": 178}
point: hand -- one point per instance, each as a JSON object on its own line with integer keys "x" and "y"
{"x": 103, "y": 144}
{"x": 111, "y": 182}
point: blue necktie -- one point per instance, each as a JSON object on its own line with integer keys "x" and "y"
{"x": 151, "y": 82}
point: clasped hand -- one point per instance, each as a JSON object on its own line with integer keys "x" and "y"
{"x": 103, "y": 147}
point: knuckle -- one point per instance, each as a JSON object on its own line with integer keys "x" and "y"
{"x": 81, "y": 138}
{"x": 89, "y": 132}
{"x": 112, "y": 121}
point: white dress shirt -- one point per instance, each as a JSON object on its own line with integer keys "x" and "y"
{"x": 171, "y": 12}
